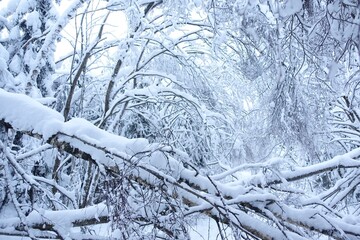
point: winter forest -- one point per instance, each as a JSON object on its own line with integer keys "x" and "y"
{"x": 180, "y": 119}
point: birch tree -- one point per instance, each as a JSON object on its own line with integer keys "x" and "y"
{"x": 183, "y": 110}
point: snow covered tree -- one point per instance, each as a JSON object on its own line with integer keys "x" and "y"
{"x": 129, "y": 119}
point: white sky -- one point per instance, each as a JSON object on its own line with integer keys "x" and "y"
{"x": 116, "y": 27}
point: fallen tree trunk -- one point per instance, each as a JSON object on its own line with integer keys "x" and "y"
{"x": 251, "y": 208}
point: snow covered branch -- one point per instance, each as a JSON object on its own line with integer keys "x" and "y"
{"x": 55, "y": 221}
{"x": 243, "y": 114}
{"x": 153, "y": 164}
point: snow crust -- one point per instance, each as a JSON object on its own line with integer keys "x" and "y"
{"x": 29, "y": 115}
{"x": 87, "y": 131}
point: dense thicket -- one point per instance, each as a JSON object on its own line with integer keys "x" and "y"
{"x": 131, "y": 119}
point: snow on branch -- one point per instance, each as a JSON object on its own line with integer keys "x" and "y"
{"x": 48, "y": 220}
{"x": 347, "y": 160}
{"x": 249, "y": 207}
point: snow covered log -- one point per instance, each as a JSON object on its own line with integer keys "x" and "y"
{"x": 57, "y": 221}
{"x": 246, "y": 205}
